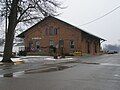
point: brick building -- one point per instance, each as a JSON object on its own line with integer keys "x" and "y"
{"x": 54, "y": 35}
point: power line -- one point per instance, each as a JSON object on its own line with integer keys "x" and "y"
{"x": 101, "y": 16}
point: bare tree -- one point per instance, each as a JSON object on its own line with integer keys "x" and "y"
{"x": 23, "y": 11}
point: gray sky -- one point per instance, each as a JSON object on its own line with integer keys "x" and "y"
{"x": 79, "y": 12}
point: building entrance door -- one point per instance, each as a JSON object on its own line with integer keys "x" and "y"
{"x": 88, "y": 47}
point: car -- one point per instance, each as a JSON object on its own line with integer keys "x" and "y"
{"x": 112, "y": 52}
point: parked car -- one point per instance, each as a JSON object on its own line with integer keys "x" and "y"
{"x": 112, "y": 52}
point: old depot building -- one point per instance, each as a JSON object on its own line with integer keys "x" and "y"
{"x": 54, "y": 35}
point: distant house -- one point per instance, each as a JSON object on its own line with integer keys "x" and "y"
{"x": 54, "y": 35}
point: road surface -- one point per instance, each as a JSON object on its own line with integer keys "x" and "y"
{"x": 90, "y": 73}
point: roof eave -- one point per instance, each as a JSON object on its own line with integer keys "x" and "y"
{"x": 21, "y": 35}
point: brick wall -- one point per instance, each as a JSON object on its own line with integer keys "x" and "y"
{"x": 65, "y": 32}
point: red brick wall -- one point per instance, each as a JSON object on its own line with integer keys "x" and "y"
{"x": 65, "y": 32}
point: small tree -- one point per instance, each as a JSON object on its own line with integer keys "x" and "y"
{"x": 23, "y": 11}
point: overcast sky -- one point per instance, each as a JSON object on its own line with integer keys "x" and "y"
{"x": 79, "y": 12}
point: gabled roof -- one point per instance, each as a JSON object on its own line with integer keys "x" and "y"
{"x": 23, "y": 33}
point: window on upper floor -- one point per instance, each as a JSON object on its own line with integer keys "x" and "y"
{"x": 55, "y": 31}
{"x": 52, "y": 31}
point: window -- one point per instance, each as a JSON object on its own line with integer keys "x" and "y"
{"x": 30, "y": 48}
{"x": 72, "y": 44}
{"x": 37, "y": 45}
{"x": 51, "y": 43}
{"x": 53, "y": 31}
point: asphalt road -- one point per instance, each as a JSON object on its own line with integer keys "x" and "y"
{"x": 90, "y": 73}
